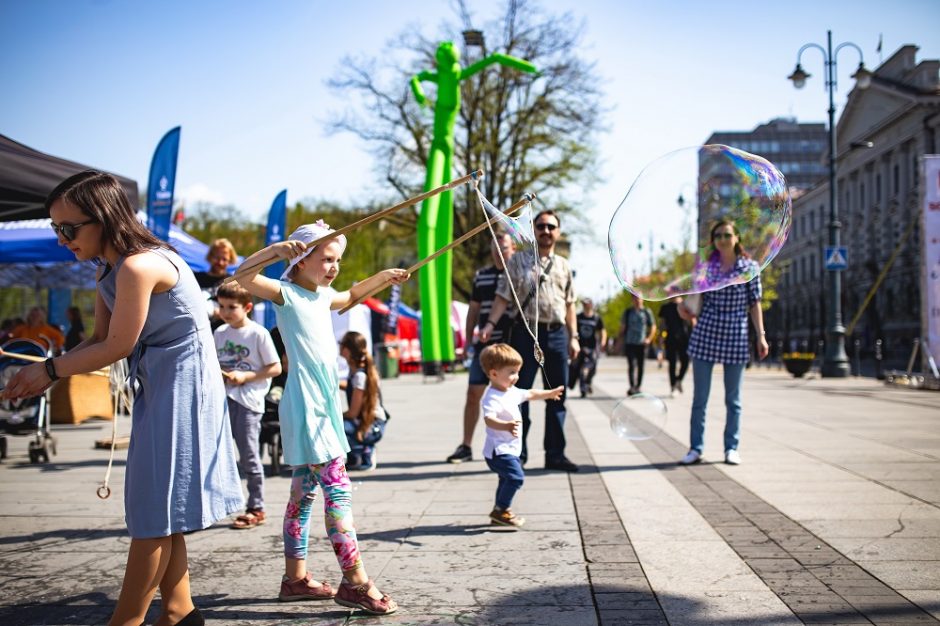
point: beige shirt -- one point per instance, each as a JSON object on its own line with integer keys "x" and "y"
{"x": 555, "y": 293}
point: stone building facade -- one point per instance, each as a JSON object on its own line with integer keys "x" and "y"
{"x": 878, "y": 197}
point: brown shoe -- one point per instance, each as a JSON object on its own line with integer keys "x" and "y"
{"x": 505, "y": 518}
{"x": 357, "y": 597}
{"x": 251, "y": 518}
{"x": 296, "y": 590}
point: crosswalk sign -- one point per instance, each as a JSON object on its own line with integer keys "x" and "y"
{"x": 837, "y": 258}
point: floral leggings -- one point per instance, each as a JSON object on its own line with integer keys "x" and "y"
{"x": 337, "y": 512}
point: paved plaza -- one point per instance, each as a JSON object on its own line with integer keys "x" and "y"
{"x": 833, "y": 518}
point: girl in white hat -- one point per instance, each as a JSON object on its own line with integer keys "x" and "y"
{"x": 311, "y": 414}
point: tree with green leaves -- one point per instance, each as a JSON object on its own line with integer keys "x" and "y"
{"x": 528, "y": 135}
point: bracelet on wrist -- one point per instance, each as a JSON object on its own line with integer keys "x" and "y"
{"x": 50, "y": 370}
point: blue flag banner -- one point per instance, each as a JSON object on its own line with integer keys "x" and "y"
{"x": 277, "y": 224}
{"x": 161, "y": 183}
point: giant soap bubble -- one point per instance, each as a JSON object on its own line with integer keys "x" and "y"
{"x": 659, "y": 235}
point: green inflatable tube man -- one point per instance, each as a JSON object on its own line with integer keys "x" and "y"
{"x": 436, "y": 222}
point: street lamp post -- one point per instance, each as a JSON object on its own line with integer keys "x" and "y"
{"x": 835, "y": 361}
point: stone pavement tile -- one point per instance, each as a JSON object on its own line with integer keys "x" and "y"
{"x": 891, "y": 549}
{"x": 619, "y": 584}
{"x": 49, "y": 533}
{"x": 893, "y": 609}
{"x": 927, "y": 600}
{"x": 924, "y": 575}
{"x": 610, "y": 554}
{"x": 62, "y": 578}
{"x": 728, "y": 607}
{"x": 626, "y": 600}
{"x": 863, "y": 528}
{"x": 632, "y": 617}
{"x": 606, "y": 570}
{"x": 479, "y": 521}
{"x": 700, "y": 565}
{"x": 492, "y": 539}
{"x": 860, "y": 511}
{"x": 493, "y": 615}
{"x": 666, "y": 524}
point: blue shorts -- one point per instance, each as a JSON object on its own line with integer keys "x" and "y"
{"x": 477, "y": 375}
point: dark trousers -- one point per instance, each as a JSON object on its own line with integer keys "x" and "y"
{"x": 636, "y": 356}
{"x": 587, "y": 367}
{"x": 511, "y": 477}
{"x": 554, "y": 344}
{"x": 677, "y": 351}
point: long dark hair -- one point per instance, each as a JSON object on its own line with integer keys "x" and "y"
{"x": 738, "y": 248}
{"x": 100, "y": 196}
{"x": 359, "y": 354}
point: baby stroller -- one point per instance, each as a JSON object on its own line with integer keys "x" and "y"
{"x": 29, "y": 416}
{"x": 270, "y": 435}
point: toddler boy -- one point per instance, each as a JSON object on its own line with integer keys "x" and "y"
{"x": 249, "y": 361}
{"x": 503, "y": 420}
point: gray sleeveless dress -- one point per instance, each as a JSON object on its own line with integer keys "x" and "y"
{"x": 181, "y": 473}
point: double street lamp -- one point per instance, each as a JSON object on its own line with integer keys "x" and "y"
{"x": 835, "y": 361}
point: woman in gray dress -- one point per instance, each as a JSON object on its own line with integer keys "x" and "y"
{"x": 181, "y": 473}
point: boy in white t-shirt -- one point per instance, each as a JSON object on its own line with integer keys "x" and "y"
{"x": 500, "y": 408}
{"x": 249, "y": 361}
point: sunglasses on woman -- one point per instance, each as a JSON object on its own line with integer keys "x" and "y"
{"x": 68, "y": 230}
{"x": 723, "y": 236}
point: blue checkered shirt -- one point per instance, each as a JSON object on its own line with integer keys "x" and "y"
{"x": 720, "y": 336}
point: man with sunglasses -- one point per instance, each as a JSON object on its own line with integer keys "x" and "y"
{"x": 553, "y": 296}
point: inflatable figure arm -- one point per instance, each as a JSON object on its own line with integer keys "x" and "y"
{"x": 502, "y": 59}
{"x": 416, "y": 86}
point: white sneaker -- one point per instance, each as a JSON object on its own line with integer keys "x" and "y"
{"x": 732, "y": 457}
{"x": 692, "y": 457}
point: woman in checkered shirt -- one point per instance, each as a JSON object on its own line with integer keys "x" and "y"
{"x": 720, "y": 336}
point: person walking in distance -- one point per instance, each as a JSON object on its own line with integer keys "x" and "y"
{"x": 481, "y": 302}
{"x": 637, "y": 329}
{"x": 592, "y": 336}
{"x": 557, "y": 331}
{"x": 677, "y": 342}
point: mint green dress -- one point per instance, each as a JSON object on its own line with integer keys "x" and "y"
{"x": 310, "y": 412}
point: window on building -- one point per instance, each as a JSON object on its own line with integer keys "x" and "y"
{"x": 897, "y": 179}
{"x": 878, "y": 188}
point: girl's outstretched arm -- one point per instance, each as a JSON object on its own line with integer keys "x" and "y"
{"x": 392, "y": 276}
{"x": 262, "y": 286}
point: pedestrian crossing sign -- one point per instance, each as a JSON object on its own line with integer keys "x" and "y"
{"x": 837, "y": 258}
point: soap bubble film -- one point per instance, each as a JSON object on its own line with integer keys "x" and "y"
{"x": 638, "y": 417}
{"x": 659, "y": 236}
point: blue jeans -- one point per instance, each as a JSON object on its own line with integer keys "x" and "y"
{"x": 362, "y": 450}
{"x": 702, "y": 378}
{"x": 511, "y": 477}
{"x": 554, "y": 344}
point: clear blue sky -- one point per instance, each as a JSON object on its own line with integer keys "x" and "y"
{"x": 100, "y": 81}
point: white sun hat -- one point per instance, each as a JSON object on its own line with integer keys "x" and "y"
{"x": 308, "y": 233}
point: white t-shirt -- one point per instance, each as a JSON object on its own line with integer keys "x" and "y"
{"x": 246, "y": 349}
{"x": 504, "y": 405}
{"x": 358, "y": 381}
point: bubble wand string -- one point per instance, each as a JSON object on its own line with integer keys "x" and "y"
{"x": 272, "y": 259}
{"x": 526, "y": 199}
{"x": 536, "y": 348}
{"x": 122, "y": 396}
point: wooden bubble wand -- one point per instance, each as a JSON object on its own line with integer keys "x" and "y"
{"x": 526, "y": 199}
{"x": 259, "y": 265}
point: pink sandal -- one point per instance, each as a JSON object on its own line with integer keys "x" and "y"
{"x": 357, "y": 597}
{"x": 293, "y": 590}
